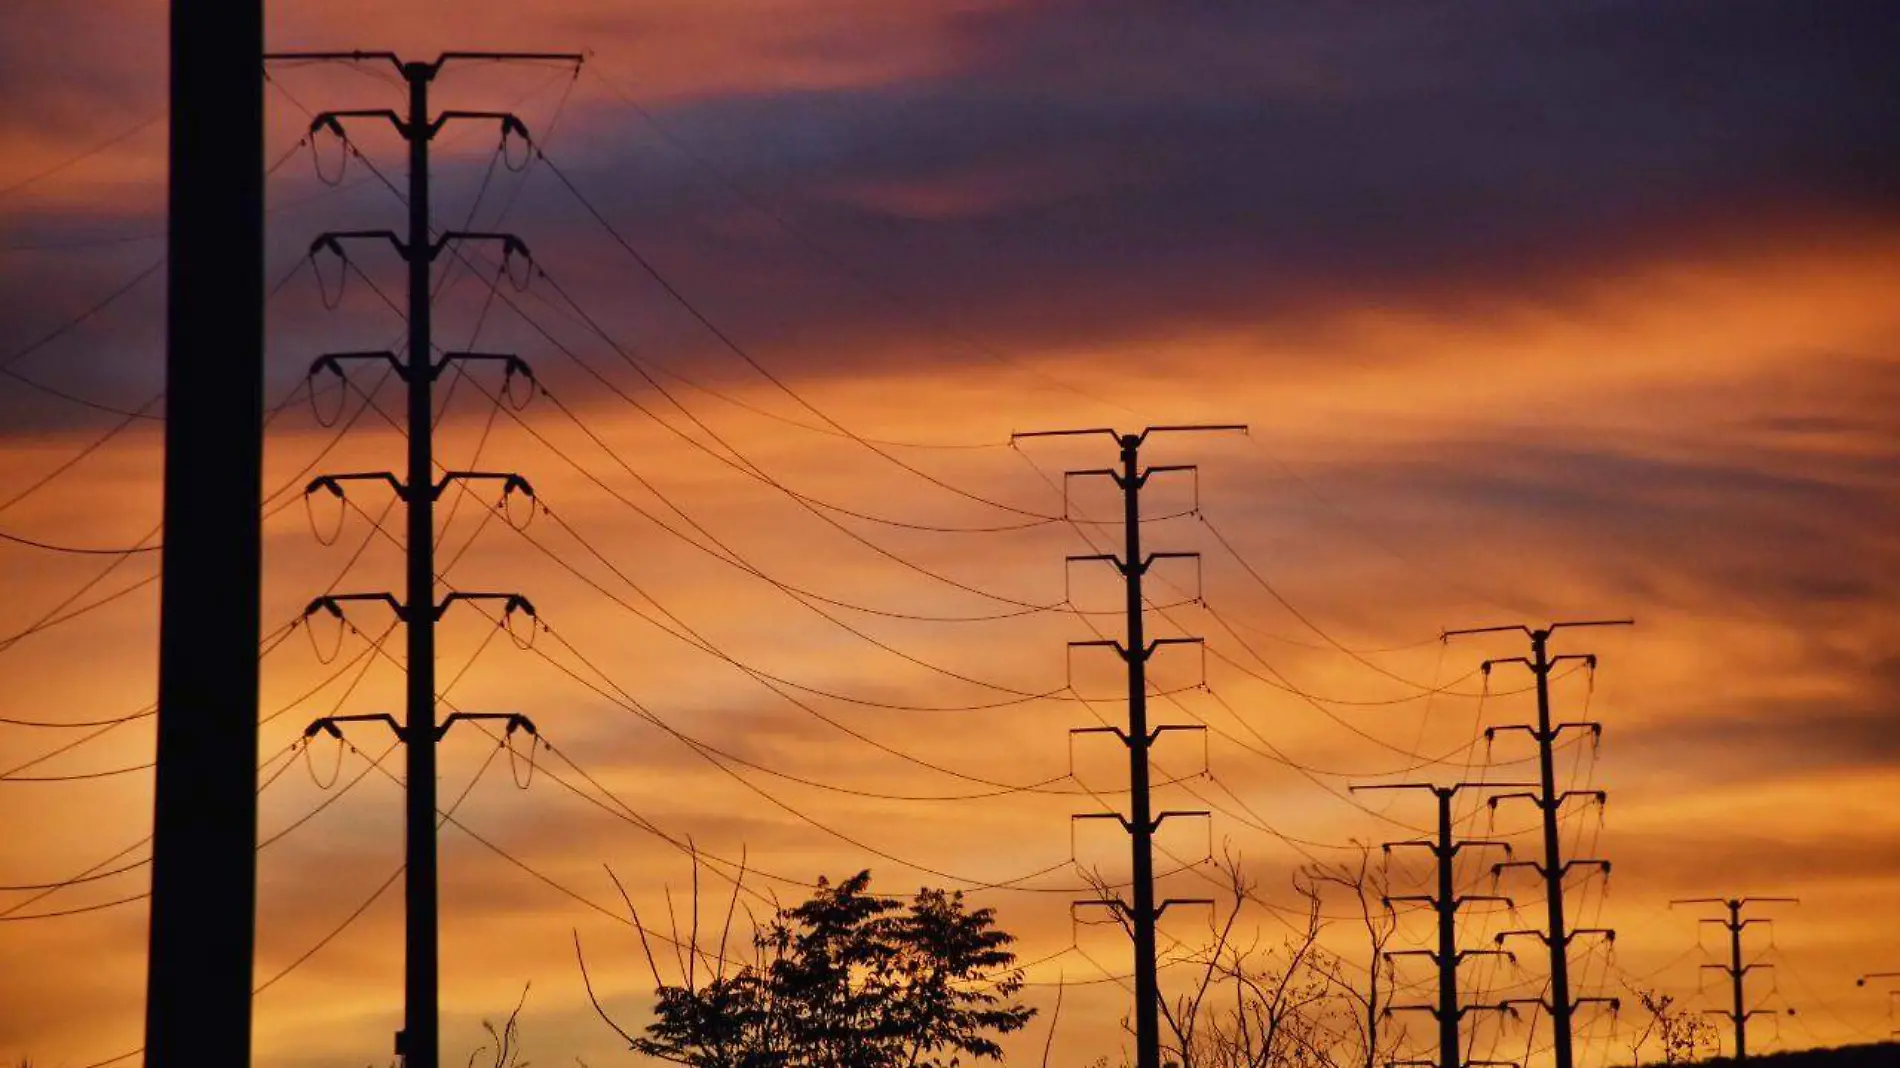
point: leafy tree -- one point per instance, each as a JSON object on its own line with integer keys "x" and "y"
{"x": 848, "y": 980}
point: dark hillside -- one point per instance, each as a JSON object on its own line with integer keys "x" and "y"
{"x": 1876, "y": 1055}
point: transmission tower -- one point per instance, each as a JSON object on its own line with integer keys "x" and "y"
{"x": 1445, "y": 849}
{"x": 418, "y": 1043}
{"x": 1141, "y": 822}
{"x": 1738, "y": 1013}
{"x": 1549, "y": 800}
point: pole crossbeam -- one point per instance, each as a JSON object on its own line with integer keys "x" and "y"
{"x": 419, "y": 1041}
{"x": 1139, "y": 737}
{"x": 1445, "y": 849}
{"x": 1737, "y": 1013}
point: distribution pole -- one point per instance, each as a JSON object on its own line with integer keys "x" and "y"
{"x": 204, "y": 820}
{"x": 1549, "y": 800}
{"x": 1738, "y": 1013}
{"x": 419, "y": 1040}
{"x": 1448, "y": 957}
{"x": 1141, "y": 823}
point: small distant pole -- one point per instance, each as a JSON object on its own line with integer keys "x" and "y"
{"x": 1738, "y": 1014}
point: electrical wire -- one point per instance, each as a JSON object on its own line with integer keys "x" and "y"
{"x": 110, "y": 142}
{"x": 855, "y": 631}
{"x": 738, "y": 350}
{"x": 863, "y": 278}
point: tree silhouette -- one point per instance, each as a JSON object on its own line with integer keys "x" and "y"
{"x": 848, "y": 980}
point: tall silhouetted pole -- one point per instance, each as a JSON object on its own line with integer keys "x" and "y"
{"x": 1141, "y": 822}
{"x": 1548, "y": 800}
{"x": 204, "y": 822}
{"x": 1445, "y": 849}
{"x": 1738, "y": 1012}
{"x": 419, "y": 1041}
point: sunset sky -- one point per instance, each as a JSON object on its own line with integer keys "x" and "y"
{"x": 1568, "y": 310}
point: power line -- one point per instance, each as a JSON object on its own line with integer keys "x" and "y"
{"x": 733, "y": 346}
{"x": 817, "y": 508}
{"x": 116, "y": 139}
{"x": 863, "y": 278}
{"x": 619, "y": 696}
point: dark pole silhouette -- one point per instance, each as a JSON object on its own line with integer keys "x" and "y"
{"x": 419, "y": 1041}
{"x": 204, "y": 825}
{"x": 1141, "y": 822}
{"x": 1738, "y": 1013}
{"x": 1554, "y": 868}
{"x": 1445, "y": 849}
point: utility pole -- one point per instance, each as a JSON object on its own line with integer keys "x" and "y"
{"x": 204, "y": 817}
{"x": 1891, "y": 994}
{"x": 1738, "y": 1013}
{"x": 1141, "y": 823}
{"x": 418, "y": 1043}
{"x": 1549, "y": 801}
{"x": 1445, "y": 849}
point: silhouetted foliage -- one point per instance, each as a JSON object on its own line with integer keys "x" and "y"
{"x": 1252, "y": 1004}
{"x": 847, "y": 980}
{"x": 1681, "y": 1035}
{"x": 504, "y": 1042}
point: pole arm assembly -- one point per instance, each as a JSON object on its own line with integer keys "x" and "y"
{"x": 426, "y": 71}
{"x": 510, "y": 482}
{"x": 1549, "y": 800}
{"x": 1447, "y": 902}
{"x": 1135, "y": 651}
{"x": 418, "y": 1042}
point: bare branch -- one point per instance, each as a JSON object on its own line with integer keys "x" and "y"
{"x": 588, "y": 982}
